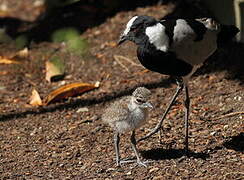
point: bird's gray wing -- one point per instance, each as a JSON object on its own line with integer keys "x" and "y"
{"x": 192, "y": 41}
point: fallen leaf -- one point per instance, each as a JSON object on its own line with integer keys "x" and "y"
{"x": 54, "y": 69}
{"x": 4, "y": 13}
{"x": 22, "y": 53}
{"x": 35, "y": 99}
{"x": 112, "y": 44}
{"x": 8, "y": 61}
{"x": 3, "y": 72}
{"x": 69, "y": 90}
{"x": 16, "y": 58}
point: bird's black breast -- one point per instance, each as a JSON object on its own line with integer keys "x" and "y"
{"x": 162, "y": 62}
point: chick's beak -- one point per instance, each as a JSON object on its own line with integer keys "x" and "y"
{"x": 148, "y": 105}
{"x": 122, "y": 39}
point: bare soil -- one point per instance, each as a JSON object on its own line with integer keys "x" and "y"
{"x": 66, "y": 141}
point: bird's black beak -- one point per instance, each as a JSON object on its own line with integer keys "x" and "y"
{"x": 122, "y": 39}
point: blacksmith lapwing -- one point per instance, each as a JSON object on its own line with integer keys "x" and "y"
{"x": 176, "y": 47}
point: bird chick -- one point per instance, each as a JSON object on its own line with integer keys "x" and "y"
{"x": 128, "y": 114}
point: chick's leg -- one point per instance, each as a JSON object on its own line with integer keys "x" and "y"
{"x": 133, "y": 142}
{"x": 116, "y": 146}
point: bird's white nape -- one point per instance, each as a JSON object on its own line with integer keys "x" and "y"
{"x": 129, "y": 24}
{"x": 158, "y": 37}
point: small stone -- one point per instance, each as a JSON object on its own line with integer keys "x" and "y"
{"x": 153, "y": 169}
{"x": 129, "y": 173}
{"x": 238, "y": 98}
{"x": 84, "y": 109}
{"x": 158, "y": 177}
{"x": 110, "y": 169}
{"x": 226, "y": 127}
{"x": 62, "y": 83}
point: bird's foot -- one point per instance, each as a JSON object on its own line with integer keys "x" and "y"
{"x": 140, "y": 163}
{"x": 124, "y": 161}
{"x": 128, "y": 161}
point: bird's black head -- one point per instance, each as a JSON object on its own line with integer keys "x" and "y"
{"x": 135, "y": 29}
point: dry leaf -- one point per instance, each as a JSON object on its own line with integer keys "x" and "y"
{"x": 35, "y": 99}
{"x": 112, "y": 44}
{"x": 15, "y": 59}
{"x": 22, "y": 53}
{"x": 69, "y": 90}
{"x": 3, "y": 72}
{"x": 8, "y": 61}
{"x": 4, "y": 13}
{"x": 54, "y": 69}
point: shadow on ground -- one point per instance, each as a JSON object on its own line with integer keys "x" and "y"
{"x": 229, "y": 59}
{"x": 236, "y": 143}
{"x": 80, "y": 15}
{"x": 162, "y": 154}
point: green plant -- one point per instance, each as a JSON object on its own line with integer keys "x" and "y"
{"x": 75, "y": 43}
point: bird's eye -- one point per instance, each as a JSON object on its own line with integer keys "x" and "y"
{"x": 136, "y": 28}
{"x": 133, "y": 28}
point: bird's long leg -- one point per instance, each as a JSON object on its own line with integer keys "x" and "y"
{"x": 116, "y": 145}
{"x": 157, "y": 128}
{"x": 187, "y": 105}
{"x": 133, "y": 143}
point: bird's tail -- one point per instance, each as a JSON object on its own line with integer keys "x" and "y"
{"x": 226, "y": 34}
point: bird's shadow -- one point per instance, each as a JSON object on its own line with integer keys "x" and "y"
{"x": 162, "y": 154}
{"x": 236, "y": 143}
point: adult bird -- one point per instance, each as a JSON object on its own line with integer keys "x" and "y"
{"x": 176, "y": 47}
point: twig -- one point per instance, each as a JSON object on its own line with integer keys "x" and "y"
{"x": 120, "y": 63}
{"x": 229, "y": 115}
{"x": 127, "y": 59}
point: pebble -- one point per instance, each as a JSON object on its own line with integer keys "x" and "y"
{"x": 62, "y": 83}
{"x": 129, "y": 173}
{"x": 84, "y": 109}
{"x": 110, "y": 169}
{"x": 158, "y": 177}
{"x": 226, "y": 127}
{"x": 238, "y": 98}
{"x": 153, "y": 169}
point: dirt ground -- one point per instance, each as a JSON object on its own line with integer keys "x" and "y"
{"x": 67, "y": 140}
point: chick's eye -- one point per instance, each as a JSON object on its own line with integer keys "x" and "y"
{"x": 140, "y": 101}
